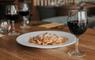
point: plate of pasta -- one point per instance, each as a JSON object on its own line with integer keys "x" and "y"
{"x": 46, "y": 39}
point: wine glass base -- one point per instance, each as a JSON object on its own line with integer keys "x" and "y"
{"x": 13, "y": 33}
{"x": 25, "y": 27}
{"x": 77, "y": 54}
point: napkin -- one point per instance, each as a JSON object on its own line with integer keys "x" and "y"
{"x": 50, "y": 25}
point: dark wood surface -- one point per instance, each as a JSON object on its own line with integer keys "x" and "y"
{"x": 11, "y": 50}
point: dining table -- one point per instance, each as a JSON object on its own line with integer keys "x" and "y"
{"x": 11, "y": 50}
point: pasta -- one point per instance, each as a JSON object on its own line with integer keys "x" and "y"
{"x": 48, "y": 39}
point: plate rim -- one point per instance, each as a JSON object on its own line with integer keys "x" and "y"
{"x": 45, "y": 46}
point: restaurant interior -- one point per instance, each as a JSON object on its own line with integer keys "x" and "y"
{"x": 47, "y": 29}
{"x": 40, "y": 12}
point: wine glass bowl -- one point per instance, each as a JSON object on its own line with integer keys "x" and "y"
{"x": 11, "y": 12}
{"x": 77, "y": 27}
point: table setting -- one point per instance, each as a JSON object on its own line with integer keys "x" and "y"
{"x": 72, "y": 40}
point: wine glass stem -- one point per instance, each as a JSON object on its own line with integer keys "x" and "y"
{"x": 13, "y": 26}
{"x": 25, "y": 20}
{"x": 24, "y": 23}
{"x": 77, "y": 47}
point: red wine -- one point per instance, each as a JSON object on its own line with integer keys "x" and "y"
{"x": 12, "y": 17}
{"x": 23, "y": 13}
{"x": 77, "y": 27}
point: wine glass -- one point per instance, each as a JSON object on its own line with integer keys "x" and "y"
{"x": 77, "y": 24}
{"x": 3, "y": 26}
{"x": 11, "y": 15}
{"x": 24, "y": 12}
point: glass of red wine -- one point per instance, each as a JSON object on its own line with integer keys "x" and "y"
{"x": 12, "y": 15}
{"x": 77, "y": 24}
{"x": 24, "y": 12}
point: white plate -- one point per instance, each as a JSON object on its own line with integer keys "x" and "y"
{"x": 24, "y": 39}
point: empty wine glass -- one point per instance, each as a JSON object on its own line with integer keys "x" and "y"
{"x": 24, "y": 12}
{"x": 3, "y": 26}
{"x": 11, "y": 15}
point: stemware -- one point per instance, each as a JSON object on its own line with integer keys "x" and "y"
{"x": 11, "y": 15}
{"x": 24, "y": 12}
{"x": 3, "y": 26}
{"x": 77, "y": 24}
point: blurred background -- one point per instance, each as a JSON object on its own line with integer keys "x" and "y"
{"x": 41, "y": 13}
